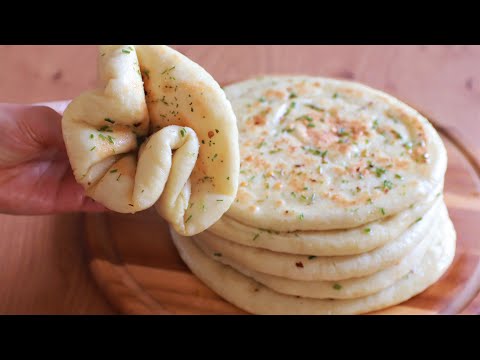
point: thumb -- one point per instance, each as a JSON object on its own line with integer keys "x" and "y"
{"x": 33, "y": 132}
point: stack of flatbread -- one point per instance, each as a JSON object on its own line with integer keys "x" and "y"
{"x": 340, "y": 205}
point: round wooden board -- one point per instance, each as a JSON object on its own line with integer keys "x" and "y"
{"x": 137, "y": 266}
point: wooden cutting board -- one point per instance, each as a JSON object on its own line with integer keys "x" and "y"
{"x": 139, "y": 270}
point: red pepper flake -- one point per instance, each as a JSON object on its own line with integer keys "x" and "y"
{"x": 210, "y": 134}
{"x": 299, "y": 264}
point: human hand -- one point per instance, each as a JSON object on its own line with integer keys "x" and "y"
{"x": 35, "y": 173}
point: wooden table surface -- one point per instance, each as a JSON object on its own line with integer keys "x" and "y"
{"x": 43, "y": 267}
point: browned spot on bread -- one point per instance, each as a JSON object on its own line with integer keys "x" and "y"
{"x": 275, "y": 94}
{"x": 259, "y": 120}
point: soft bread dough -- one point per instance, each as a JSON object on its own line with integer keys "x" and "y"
{"x": 188, "y": 163}
{"x": 255, "y": 298}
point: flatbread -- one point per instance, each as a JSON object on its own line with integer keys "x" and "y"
{"x": 323, "y": 243}
{"x": 323, "y": 154}
{"x": 168, "y": 139}
{"x": 332, "y": 268}
{"x": 344, "y": 289}
{"x": 255, "y": 298}
{"x": 179, "y": 91}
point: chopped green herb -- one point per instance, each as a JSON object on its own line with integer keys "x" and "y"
{"x": 419, "y": 219}
{"x": 387, "y": 184}
{"x": 91, "y": 136}
{"x": 367, "y": 230}
{"x": 306, "y": 117}
{"x": 335, "y": 95}
{"x": 293, "y": 95}
{"x": 382, "y": 210}
{"x": 293, "y": 194}
{"x": 301, "y": 217}
{"x": 398, "y": 176}
{"x": 125, "y": 51}
{"x": 311, "y": 125}
{"x": 93, "y": 148}
{"x": 274, "y": 151}
{"x": 147, "y": 73}
{"x": 316, "y": 108}
{"x": 256, "y": 237}
{"x": 183, "y": 132}
{"x": 109, "y": 120}
{"x": 408, "y": 145}
{"x": 228, "y": 177}
{"x": 168, "y": 70}
{"x": 219, "y": 199}
{"x": 261, "y": 144}
{"x": 380, "y": 171}
{"x": 110, "y": 139}
{"x": 262, "y": 99}
{"x": 317, "y": 152}
{"x": 188, "y": 219}
{"x": 214, "y": 157}
{"x": 217, "y": 254}
{"x": 292, "y": 105}
{"x": 397, "y": 134}
{"x": 337, "y": 286}
{"x": 311, "y": 257}
{"x": 113, "y": 171}
{"x": 375, "y": 124}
